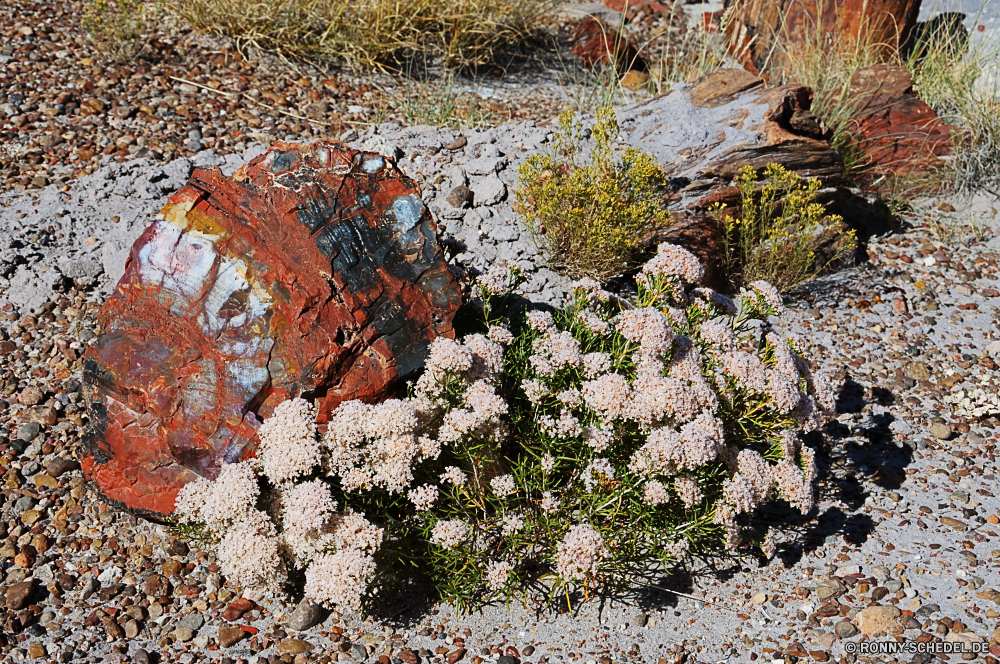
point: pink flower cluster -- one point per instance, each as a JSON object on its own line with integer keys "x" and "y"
{"x": 673, "y": 261}
{"x": 580, "y": 553}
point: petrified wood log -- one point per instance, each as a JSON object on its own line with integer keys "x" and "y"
{"x": 765, "y": 35}
{"x": 897, "y": 134}
{"x": 313, "y": 271}
{"x": 703, "y": 133}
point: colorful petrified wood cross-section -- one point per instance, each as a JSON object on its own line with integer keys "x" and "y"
{"x": 313, "y": 271}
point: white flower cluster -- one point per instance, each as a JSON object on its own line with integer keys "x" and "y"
{"x": 335, "y": 548}
{"x": 580, "y": 553}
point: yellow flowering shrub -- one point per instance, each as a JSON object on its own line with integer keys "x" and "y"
{"x": 780, "y": 234}
{"x": 591, "y": 220}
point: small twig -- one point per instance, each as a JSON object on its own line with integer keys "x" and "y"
{"x": 267, "y": 106}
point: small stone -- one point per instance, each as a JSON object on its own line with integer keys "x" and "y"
{"x": 237, "y": 608}
{"x": 407, "y": 656}
{"x": 170, "y": 567}
{"x": 192, "y": 621}
{"x": 36, "y": 651}
{"x": 58, "y": 467}
{"x": 941, "y": 431}
{"x": 140, "y": 656}
{"x": 638, "y": 619}
{"x": 457, "y": 144}
{"x": 28, "y": 431}
{"x": 294, "y": 647}
{"x": 927, "y": 610}
{"x": 759, "y": 598}
{"x": 876, "y": 619}
{"x": 845, "y": 629}
{"x": 504, "y": 659}
{"x": 31, "y": 396}
{"x": 953, "y": 523}
{"x": 229, "y": 636}
{"x": 155, "y": 585}
{"x": 131, "y": 629}
{"x": 19, "y": 594}
{"x": 830, "y": 588}
{"x": 894, "y": 585}
{"x": 455, "y": 655}
{"x": 460, "y": 197}
{"x": 634, "y": 80}
{"x": 183, "y": 634}
{"x": 90, "y": 586}
{"x": 878, "y": 593}
{"x": 307, "y": 614}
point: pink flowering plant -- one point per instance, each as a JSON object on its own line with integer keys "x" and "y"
{"x": 544, "y": 451}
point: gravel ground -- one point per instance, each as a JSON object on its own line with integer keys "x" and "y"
{"x": 904, "y": 538}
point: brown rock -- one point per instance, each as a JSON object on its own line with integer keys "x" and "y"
{"x": 455, "y": 655}
{"x": 237, "y": 608}
{"x": 31, "y": 396}
{"x": 170, "y": 567}
{"x": 58, "y": 467}
{"x": 19, "y": 594}
{"x": 317, "y": 267}
{"x": 229, "y": 636}
{"x": 876, "y": 619}
{"x": 597, "y": 43}
{"x": 634, "y": 80}
{"x": 294, "y": 647}
{"x": 156, "y": 585}
{"x": 407, "y": 656}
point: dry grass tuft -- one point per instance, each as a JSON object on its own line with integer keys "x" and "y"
{"x": 463, "y": 33}
{"x": 120, "y": 28}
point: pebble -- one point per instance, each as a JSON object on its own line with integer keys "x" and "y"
{"x": 307, "y": 614}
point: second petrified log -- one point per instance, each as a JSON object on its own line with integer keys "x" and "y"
{"x": 766, "y": 35}
{"x": 314, "y": 272}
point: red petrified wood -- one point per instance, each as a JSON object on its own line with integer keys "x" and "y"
{"x": 313, "y": 272}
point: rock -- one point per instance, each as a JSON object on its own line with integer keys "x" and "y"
{"x": 229, "y": 636}
{"x": 767, "y": 34}
{"x": 58, "y": 467}
{"x": 845, "y": 629}
{"x": 183, "y": 634}
{"x": 597, "y": 43}
{"x": 953, "y": 523}
{"x": 876, "y": 619}
{"x": 758, "y": 599}
{"x": 460, "y": 197}
{"x": 339, "y": 248}
{"x": 489, "y": 190}
{"x": 894, "y": 585}
{"x": 455, "y": 655}
{"x": 457, "y": 144}
{"x": 19, "y": 593}
{"x": 927, "y": 610}
{"x": 829, "y": 589}
{"x": 407, "y": 656}
{"x": 140, "y": 656}
{"x": 29, "y": 431}
{"x": 634, "y": 80}
{"x": 31, "y": 396}
{"x": 505, "y": 659}
{"x": 237, "y": 608}
{"x": 941, "y": 431}
{"x": 638, "y": 619}
{"x": 192, "y": 621}
{"x": 294, "y": 647}
{"x": 307, "y": 614}
{"x": 879, "y": 593}
{"x": 90, "y": 586}
{"x": 897, "y": 133}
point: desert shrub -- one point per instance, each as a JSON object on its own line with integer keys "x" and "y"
{"x": 545, "y": 452}
{"x": 591, "y": 219}
{"x": 370, "y": 32}
{"x": 120, "y": 28}
{"x": 779, "y": 234}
